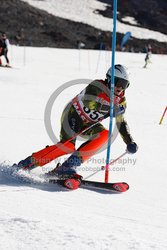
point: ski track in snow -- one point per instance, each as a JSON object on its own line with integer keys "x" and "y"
{"x": 38, "y": 215}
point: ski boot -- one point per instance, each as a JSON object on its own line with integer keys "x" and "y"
{"x": 8, "y": 66}
{"x": 26, "y": 164}
{"x": 65, "y": 177}
{"x": 60, "y": 173}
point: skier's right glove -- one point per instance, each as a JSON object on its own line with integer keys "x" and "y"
{"x": 132, "y": 148}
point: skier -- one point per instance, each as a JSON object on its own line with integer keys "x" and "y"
{"x": 148, "y": 55}
{"x": 89, "y": 107}
{"x": 4, "y": 44}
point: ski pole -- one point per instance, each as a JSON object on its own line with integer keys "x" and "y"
{"x": 102, "y": 167}
{"x": 85, "y": 129}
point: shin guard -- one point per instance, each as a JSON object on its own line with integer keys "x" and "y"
{"x": 89, "y": 148}
{"x": 50, "y": 153}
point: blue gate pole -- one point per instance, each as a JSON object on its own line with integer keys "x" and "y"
{"x": 112, "y": 84}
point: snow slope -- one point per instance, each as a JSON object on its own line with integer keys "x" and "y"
{"x": 39, "y": 215}
{"x": 85, "y": 11}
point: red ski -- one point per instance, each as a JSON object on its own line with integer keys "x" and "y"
{"x": 118, "y": 187}
{"x": 71, "y": 183}
{"x": 74, "y": 183}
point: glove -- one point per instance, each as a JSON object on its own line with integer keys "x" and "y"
{"x": 132, "y": 148}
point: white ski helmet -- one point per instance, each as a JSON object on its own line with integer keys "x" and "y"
{"x": 121, "y": 76}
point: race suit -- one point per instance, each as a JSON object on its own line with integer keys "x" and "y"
{"x": 90, "y": 106}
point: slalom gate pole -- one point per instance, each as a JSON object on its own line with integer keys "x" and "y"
{"x": 81, "y": 132}
{"x": 98, "y": 61}
{"x": 24, "y": 55}
{"x": 79, "y": 58}
{"x": 112, "y": 90}
{"x": 163, "y": 115}
{"x": 102, "y": 168}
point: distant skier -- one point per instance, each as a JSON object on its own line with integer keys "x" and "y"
{"x": 4, "y": 45}
{"x": 80, "y": 45}
{"x": 148, "y": 55}
{"x": 89, "y": 107}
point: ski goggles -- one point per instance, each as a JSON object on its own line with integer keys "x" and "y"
{"x": 119, "y": 82}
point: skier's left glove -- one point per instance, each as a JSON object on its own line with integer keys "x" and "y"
{"x": 132, "y": 148}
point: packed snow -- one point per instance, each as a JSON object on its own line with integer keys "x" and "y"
{"x": 85, "y": 11}
{"x": 38, "y": 215}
